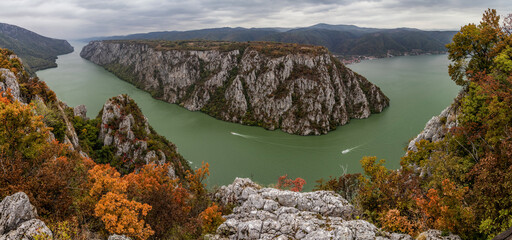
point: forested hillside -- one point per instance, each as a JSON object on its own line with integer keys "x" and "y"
{"x": 344, "y": 40}
{"x": 91, "y": 178}
{"x": 456, "y": 175}
{"x": 36, "y": 51}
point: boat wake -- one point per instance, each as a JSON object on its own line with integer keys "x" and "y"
{"x": 242, "y": 135}
{"x": 350, "y": 149}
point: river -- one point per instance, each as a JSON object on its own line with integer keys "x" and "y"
{"x": 418, "y": 87}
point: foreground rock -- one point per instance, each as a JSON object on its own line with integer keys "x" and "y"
{"x": 268, "y": 213}
{"x": 437, "y": 235}
{"x": 300, "y": 89}
{"x": 18, "y": 219}
{"x": 118, "y": 237}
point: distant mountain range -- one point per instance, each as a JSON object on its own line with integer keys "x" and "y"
{"x": 36, "y": 51}
{"x": 346, "y": 40}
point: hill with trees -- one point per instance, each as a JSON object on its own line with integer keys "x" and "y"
{"x": 346, "y": 40}
{"x": 36, "y": 51}
{"x": 456, "y": 175}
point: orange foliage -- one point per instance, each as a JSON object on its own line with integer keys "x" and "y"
{"x": 196, "y": 179}
{"x": 445, "y": 209}
{"x": 392, "y": 221}
{"x": 122, "y": 216}
{"x": 170, "y": 201}
{"x": 29, "y": 162}
{"x": 211, "y": 218}
{"x": 104, "y": 179}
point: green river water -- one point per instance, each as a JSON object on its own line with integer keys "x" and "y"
{"x": 418, "y": 87}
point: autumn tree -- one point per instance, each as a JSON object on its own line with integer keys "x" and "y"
{"x": 474, "y": 47}
{"x": 384, "y": 190}
{"x": 211, "y": 218}
{"x": 170, "y": 201}
{"x": 445, "y": 209}
{"x": 119, "y": 214}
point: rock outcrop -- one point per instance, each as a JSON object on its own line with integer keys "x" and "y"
{"x": 118, "y": 237}
{"x": 268, "y": 213}
{"x": 126, "y": 129}
{"x": 299, "y": 89}
{"x": 438, "y": 126}
{"x": 9, "y": 82}
{"x": 80, "y": 111}
{"x": 18, "y": 219}
{"x": 437, "y": 235}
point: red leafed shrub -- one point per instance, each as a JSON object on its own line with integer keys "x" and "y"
{"x": 286, "y": 183}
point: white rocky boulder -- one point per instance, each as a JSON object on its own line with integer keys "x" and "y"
{"x": 268, "y": 213}
{"x": 18, "y": 219}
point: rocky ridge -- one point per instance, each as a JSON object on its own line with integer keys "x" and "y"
{"x": 18, "y": 219}
{"x": 299, "y": 89}
{"x": 268, "y": 213}
{"x": 126, "y": 129}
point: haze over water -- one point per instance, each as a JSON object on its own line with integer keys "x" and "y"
{"x": 418, "y": 87}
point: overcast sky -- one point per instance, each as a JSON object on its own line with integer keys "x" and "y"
{"x": 72, "y": 19}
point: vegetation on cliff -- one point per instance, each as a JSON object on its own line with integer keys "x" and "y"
{"x": 38, "y": 52}
{"x": 462, "y": 182}
{"x": 81, "y": 198}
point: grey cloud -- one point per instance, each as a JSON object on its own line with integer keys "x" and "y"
{"x": 79, "y": 19}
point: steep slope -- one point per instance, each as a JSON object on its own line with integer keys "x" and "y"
{"x": 120, "y": 135}
{"x": 300, "y": 89}
{"x": 37, "y": 51}
{"x": 134, "y": 142}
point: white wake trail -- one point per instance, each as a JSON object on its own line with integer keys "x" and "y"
{"x": 241, "y": 135}
{"x": 350, "y": 149}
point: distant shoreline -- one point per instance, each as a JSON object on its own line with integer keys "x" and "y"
{"x": 347, "y": 60}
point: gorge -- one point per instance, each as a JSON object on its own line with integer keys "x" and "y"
{"x": 300, "y": 89}
{"x": 234, "y": 150}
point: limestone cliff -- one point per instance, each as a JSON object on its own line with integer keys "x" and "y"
{"x": 300, "y": 89}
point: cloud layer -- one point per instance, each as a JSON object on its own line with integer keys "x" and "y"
{"x": 72, "y": 19}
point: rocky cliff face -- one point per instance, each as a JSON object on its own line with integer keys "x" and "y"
{"x": 300, "y": 89}
{"x": 268, "y": 213}
{"x": 134, "y": 142}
